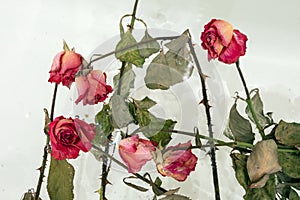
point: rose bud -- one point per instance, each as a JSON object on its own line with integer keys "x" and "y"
{"x": 92, "y": 88}
{"x": 223, "y": 42}
{"x": 64, "y": 68}
{"x": 69, "y": 136}
{"x": 176, "y": 161}
{"x": 135, "y": 152}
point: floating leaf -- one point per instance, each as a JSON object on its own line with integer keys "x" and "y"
{"x": 60, "y": 180}
{"x": 263, "y": 160}
{"x": 120, "y": 111}
{"x": 104, "y": 126}
{"x": 171, "y": 68}
{"x": 156, "y": 130}
{"x": 288, "y": 161}
{"x": 149, "y": 48}
{"x": 288, "y": 133}
{"x": 145, "y": 103}
{"x": 126, "y": 53}
{"x": 240, "y": 127}
{"x": 265, "y": 193}
{"x": 127, "y": 81}
{"x": 175, "y": 197}
{"x": 239, "y": 162}
{"x": 258, "y": 109}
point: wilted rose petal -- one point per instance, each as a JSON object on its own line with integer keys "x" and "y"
{"x": 92, "y": 88}
{"x": 135, "y": 152}
{"x": 69, "y": 136}
{"x": 64, "y": 67}
{"x": 223, "y": 42}
{"x": 176, "y": 161}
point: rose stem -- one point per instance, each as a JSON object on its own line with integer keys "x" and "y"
{"x": 124, "y": 166}
{"x": 44, "y": 162}
{"x": 209, "y": 124}
{"x": 105, "y": 169}
{"x": 249, "y": 102}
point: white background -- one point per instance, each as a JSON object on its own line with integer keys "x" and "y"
{"x": 32, "y": 32}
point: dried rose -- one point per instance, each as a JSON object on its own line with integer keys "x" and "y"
{"x": 92, "y": 88}
{"x": 64, "y": 68}
{"x": 69, "y": 136}
{"x": 135, "y": 152}
{"x": 223, "y": 42}
{"x": 176, "y": 161}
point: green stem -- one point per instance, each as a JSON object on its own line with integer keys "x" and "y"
{"x": 249, "y": 102}
{"x": 45, "y": 155}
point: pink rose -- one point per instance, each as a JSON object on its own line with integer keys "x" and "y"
{"x": 135, "y": 152}
{"x": 64, "y": 68}
{"x": 176, "y": 161}
{"x": 69, "y": 136}
{"x": 223, "y": 42}
{"x": 92, "y": 88}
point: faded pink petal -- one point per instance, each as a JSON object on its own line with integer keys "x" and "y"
{"x": 135, "y": 152}
{"x": 93, "y": 89}
{"x": 177, "y": 163}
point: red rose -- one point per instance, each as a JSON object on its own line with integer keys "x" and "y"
{"x": 64, "y": 68}
{"x": 69, "y": 136}
{"x": 223, "y": 42}
{"x": 92, "y": 88}
{"x": 135, "y": 152}
{"x": 176, "y": 161}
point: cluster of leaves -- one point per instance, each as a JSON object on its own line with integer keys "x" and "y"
{"x": 264, "y": 171}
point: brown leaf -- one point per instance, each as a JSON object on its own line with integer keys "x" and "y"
{"x": 261, "y": 183}
{"x": 263, "y": 160}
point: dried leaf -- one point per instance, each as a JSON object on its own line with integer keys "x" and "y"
{"x": 120, "y": 111}
{"x": 239, "y": 162}
{"x": 137, "y": 187}
{"x": 265, "y": 193}
{"x": 175, "y": 197}
{"x": 288, "y": 133}
{"x": 149, "y": 48}
{"x": 288, "y": 161}
{"x": 129, "y": 54}
{"x": 263, "y": 160}
{"x": 127, "y": 81}
{"x": 258, "y": 109}
{"x": 240, "y": 127}
{"x": 60, "y": 180}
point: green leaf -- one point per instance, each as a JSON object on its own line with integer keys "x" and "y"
{"x": 287, "y": 192}
{"x": 158, "y": 181}
{"x": 240, "y": 127}
{"x": 262, "y": 161}
{"x": 288, "y": 161}
{"x": 149, "y": 48}
{"x": 293, "y": 195}
{"x": 239, "y": 162}
{"x": 265, "y": 193}
{"x": 288, "y": 133}
{"x": 125, "y": 53}
{"x": 171, "y": 68}
{"x": 258, "y": 109}
{"x": 120, "y": 111}
{"x": 60, "y": 180}
{"x": 104, "y": 126}
{"x": 127, "y": 80}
